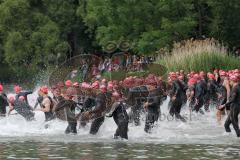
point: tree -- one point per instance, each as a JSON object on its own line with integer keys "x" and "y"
{"x": 28, "y": 35}
{"x": 71, "y": 27}
{"x": 203, "y": 17}
{"x": 149, "y": 25}
{"x": 225, "y": 24}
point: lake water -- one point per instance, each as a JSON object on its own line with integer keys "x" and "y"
{"x": 200, "y": 138}
{"x": 115, "y": 150}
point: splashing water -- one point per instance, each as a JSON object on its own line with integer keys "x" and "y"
{"x": 199, "y": 129}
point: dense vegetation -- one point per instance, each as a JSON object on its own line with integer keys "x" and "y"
{"x": 199, "y": 55}
{"x": 33, "y": 32}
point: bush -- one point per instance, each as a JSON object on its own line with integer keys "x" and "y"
{"x": 199, "y": 55}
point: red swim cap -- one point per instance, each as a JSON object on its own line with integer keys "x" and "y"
{"x": 95, "y": 85}
{"x": 234, "y": 78}
{"x": 1, "y": 87}
{"x": 17, "y": 89}
{"x": 11, "y": 99}
{"x": 110, "y": 86}
{"x": 191, "y": 81}
{"x": 44, "y": 89}
{"x": 196, "y": 76}
{"x": 222, "y": 73}
{"x": 211, "y": 76}
{"x": 21, "y": 98}
{"x": 68, "y": 83}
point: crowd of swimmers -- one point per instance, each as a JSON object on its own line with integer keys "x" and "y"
{"x": 90, "y": 102}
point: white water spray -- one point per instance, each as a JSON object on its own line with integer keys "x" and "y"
{"x": 200, "y": 129}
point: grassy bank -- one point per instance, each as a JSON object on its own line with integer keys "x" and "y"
{"x": 199, "y": 55}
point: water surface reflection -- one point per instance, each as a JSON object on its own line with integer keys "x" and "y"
{"x": 118, "y": 150}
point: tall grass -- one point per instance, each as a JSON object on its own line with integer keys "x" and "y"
{"x": 199, "y": 55}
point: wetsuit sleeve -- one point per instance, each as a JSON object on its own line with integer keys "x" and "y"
{"x": 215, "y": 85}
{"x": 5, "y": 100}
{"x": 185, "y": 87}
{"x": 173, "y": 91}
{"x": 39, "y": 101}
{"x": 28, "y": 92}
{"x": 86, "y": 103}
{"x": 232, "y": 97}
{"x": 199, "y": 91}
{"x": 164, "y": 87}
{"x": 178, "y": 87}
{"x": 73, "y": 106}
{"x": 213, "y": 88}
{"x": 100, "y": 104}
{"x": 60, "y": 105}
{"x": 114, "y": 107}
{"x": 153, "y": 101}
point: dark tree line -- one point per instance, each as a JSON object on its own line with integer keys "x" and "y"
{"x": 31, "y": 31}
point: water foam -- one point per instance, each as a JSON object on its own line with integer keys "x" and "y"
{"x": 200, "y": 129}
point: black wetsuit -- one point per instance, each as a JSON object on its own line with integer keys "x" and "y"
{"x": 57, "y": 99}
{"x": 97, "y": 113}
{"x": 48, "y": 115}
{"x": 179, "y": 92}
{"x": 223, "y": 96}
{"x": 211, "y": 97}
{"x": 204, "y": 85}
{"x": 3, "y": 104}
{"x": 184, "y": 96}
{"x": 24, "y": 94}
{"x": 200, "y": 95}
{"x": 234, "y": 102}
{"x": 68, "y": 107}
{"x": 153, "y": 111}
{"x": 136, "y": 97}
{"x": 39, "y": 101}
{"x": 24, "y": 110}
{"x": 88, "y": 103}
{"x": 120, "y": 116}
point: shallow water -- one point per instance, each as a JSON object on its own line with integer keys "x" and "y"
{"x": 115, "y": 150}
{"x": 200, "y": 138}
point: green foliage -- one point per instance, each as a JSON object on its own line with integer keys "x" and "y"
{"x": 31, "y": 31}
{"x": 226, "y": 21}
{"x": 149, "y": 25}
{"x": 29, "y": 35}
